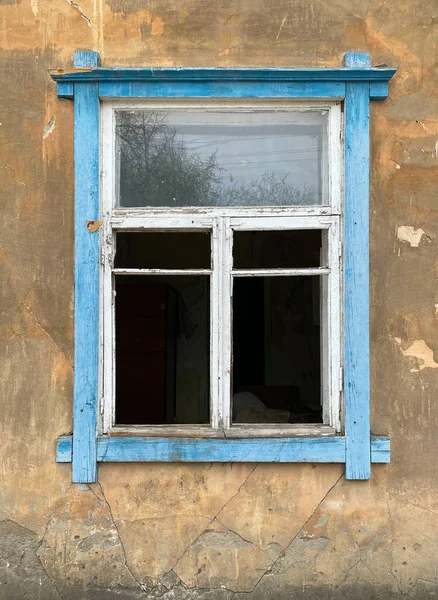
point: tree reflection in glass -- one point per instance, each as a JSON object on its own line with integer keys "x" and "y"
{"x": 184, "y": 158}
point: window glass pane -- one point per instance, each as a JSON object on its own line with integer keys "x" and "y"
{"x": 163, "y": 250}
{"x": 276, "y": 249}
{"x": 276, "y": 350}
{"x": 162, "y": 350}
{"x": 222, "y": 158}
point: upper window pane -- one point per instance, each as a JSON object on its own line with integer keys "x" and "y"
{"x": 198, "y": 158}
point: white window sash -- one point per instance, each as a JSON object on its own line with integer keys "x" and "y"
{"x": 221, "y": 222}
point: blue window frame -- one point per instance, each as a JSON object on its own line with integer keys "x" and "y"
{"x": 356, "y": 83}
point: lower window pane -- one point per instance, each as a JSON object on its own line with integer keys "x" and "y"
{"x": 162, "y": 350}
{"x": 276, "y": 350}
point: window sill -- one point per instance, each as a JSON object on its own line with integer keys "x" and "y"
{"x": 241, "y": 430}
{"x": 319, "y": 449}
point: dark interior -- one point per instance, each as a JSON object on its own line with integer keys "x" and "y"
{"x": 163, "y": 330}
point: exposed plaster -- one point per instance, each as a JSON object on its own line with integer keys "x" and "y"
{"x": 420, "y": 350}
{"x": 49, "y": 128}
{"x": 407, "y": 233}
{"x": 281, "y": 26}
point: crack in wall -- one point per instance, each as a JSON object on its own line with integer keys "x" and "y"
{"x": 269, "y": 570}
{"x": 215, "y": 517}
{"x": 104, "y": 499}
{"x": 39, "y": 324}
{"x": 413, "y": 504}
{"x": 81, "y": 12}
{"x": 238, "y": 535}
{"x": 237, "y": 493}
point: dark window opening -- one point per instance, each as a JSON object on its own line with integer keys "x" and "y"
{"x": 163, "y": 250}
{"x": 276, "y": 350}
{"x": 162, "y": 350}
{"x": 289, "y": 249}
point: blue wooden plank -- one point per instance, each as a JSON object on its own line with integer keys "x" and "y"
{"x": 64, "y": 449}
{"x": 221, "y": 450}
{"x": 218, "y": 89}
{"x": 380, "y": 449}
{"x": 86, "y": 59}
{"x": 379, "y": 90}
{"x": 64, "y": 89}
{"x": 355, "y": 72}
{"x": 86, "y": 163}
{"x": 237, "y": 450}
{"x": 357, "y": 60}
{"x": 356, "y": 278}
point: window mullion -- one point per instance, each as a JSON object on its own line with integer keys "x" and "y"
{"x": 223, "y": 266}
{"x": 215, "y": 355}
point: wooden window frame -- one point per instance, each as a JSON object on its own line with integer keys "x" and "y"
{"x": 96, "y": 91}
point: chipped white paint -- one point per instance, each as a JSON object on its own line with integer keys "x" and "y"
{"x": 48, "y": 129}
{"x": 420, "y": 350}
{"x": 34, "y": 6}
{"x": 436, "y": 309}
{"x": 407, "y": 233}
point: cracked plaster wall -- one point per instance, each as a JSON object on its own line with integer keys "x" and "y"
{"x": 215, "y": 532}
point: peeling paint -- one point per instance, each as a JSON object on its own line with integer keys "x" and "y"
{"x": 421, "y": 351}
{"x": 407, "y": 233}
{"x": 93, "y": 226}
{"x": 49, "y": 128}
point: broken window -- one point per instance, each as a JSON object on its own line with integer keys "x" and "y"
{"x": 221, "y": 278}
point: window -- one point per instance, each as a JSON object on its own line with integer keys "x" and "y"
{"x": 222, "y": 256}
{"x": 221, "y": 270}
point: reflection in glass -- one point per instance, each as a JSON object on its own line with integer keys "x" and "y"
{"x": 222, "y": 158}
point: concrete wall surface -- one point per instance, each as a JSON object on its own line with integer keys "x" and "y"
{"x": 216, "y": 531}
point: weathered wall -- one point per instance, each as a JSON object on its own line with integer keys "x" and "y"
{"x": 241, "y": 531}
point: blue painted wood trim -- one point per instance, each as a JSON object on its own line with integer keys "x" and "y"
{"x": 357, "y": 59}
{"x": 86, "y": 59}
{"x": 321, "y": 450}
{"x": 86, "y": 165}
{"x": 358, "y": 83}
{"x": 356, "y": 283}
{"x": 380, "y": 449}
{"x": 190, "y": 74}
{"x": 65, "y": 89}
{"x": 222, "y": 89}
{"x": 379, "y": 90}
